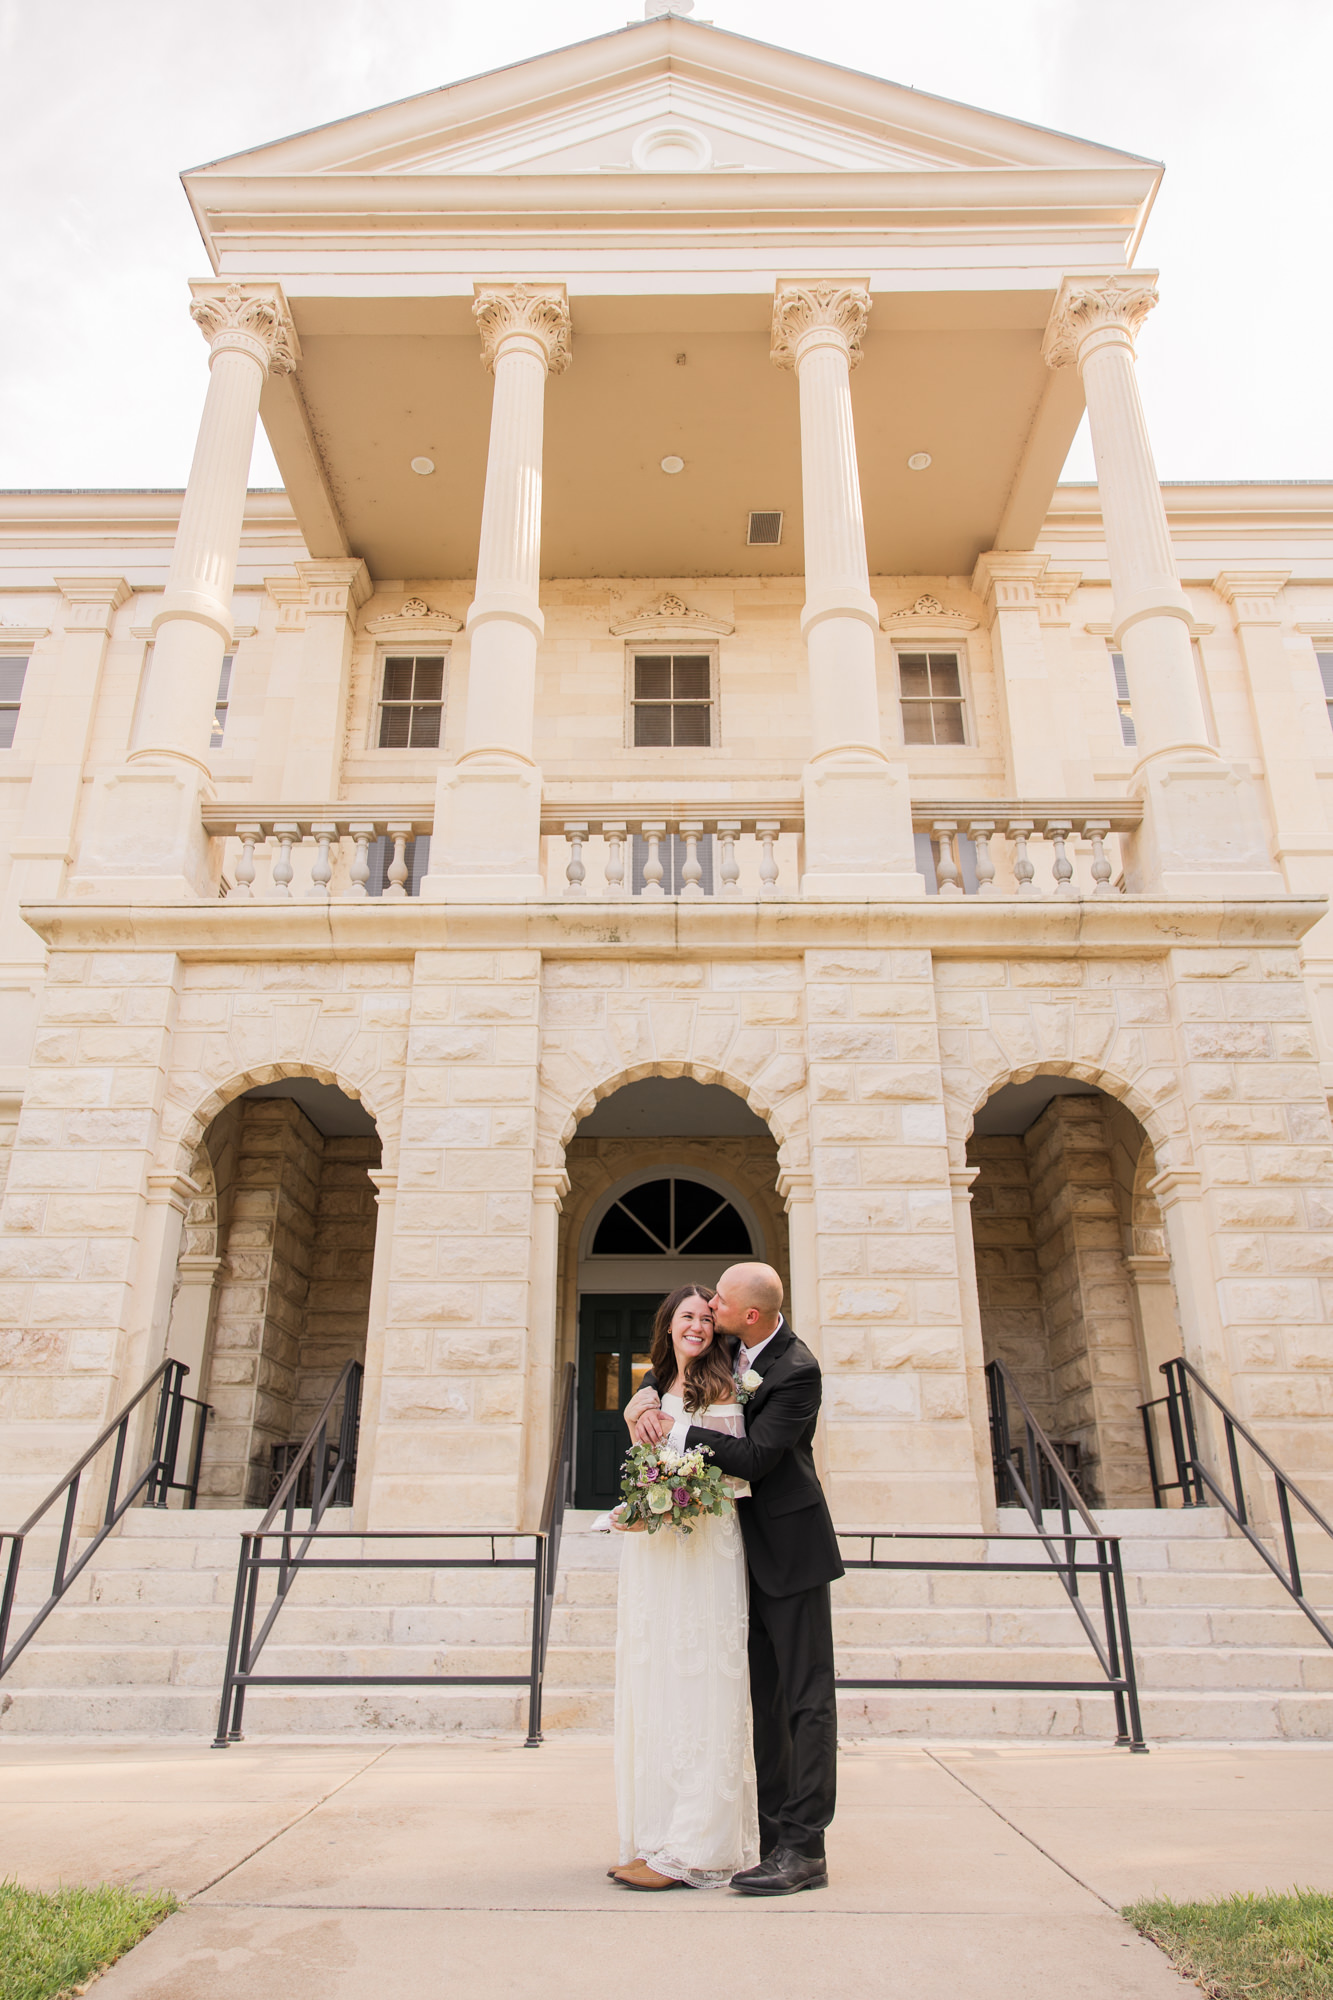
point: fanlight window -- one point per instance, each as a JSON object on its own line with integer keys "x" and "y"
{"x": 671, "y": 1218}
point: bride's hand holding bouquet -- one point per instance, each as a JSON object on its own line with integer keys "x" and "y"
{"x": 663, "y": 1488}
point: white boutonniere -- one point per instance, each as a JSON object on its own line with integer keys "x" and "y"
{"x": 746, "y": 1385}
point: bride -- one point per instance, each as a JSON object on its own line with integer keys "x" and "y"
{"x": 685, "y": 1779}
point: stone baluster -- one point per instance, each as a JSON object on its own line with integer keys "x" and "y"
{"x": 1058, "y": 831}
{"x": 691, "y": 874}
{"x": 768, "y": 831}
{"x": 325, "y": 832}
{"x": 858, "y": 823}
{"x": 286, "y": 833}
{"x": 980, "y": 832}
{"x": 1095, "y": 831}
{"x": 576, "y": 832}
{"x": 729, "y": 868}
{"x": 653, "y": 832}
{"x": 946, "y": 868}
{"x": 1019, "y": 831}
{"x": 362, "y": 832}
{"x": 614, "y": 833}
{"x": 249, "y": 837}
{"x": 398, "y": 870}
{"x": 487, "y": 840}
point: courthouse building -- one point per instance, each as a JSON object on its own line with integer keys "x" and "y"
{"x": 670, "y": 777}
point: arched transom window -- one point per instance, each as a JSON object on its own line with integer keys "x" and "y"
{"x": 670, "y": 1218}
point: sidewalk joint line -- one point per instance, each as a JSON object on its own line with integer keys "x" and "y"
{"x": 1054, "y": 1859}
{"x": 240, "y": 1863}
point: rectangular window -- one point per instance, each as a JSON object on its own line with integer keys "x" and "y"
{"x": 672, "y": 701}
{"x": 12, "y": 671}
{"x": 412, "y": 701}
{"x": 930, "y": 686}
{"x": 1128, "y": 735}
{"x": 1326, "y": 676}
{"x": 220, "y": 710}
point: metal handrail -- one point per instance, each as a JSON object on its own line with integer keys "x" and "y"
{"x": 156, "y": 1480}
{"x": 1193, "y": 1474}
{"x": 1115, "y": 1652}
{"x": 244, "y": 1645}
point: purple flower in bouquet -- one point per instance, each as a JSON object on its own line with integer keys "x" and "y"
{"x": 681, "y": 1496}
{"x": 650, "y": 1473}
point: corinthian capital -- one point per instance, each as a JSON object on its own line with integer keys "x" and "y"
{"x": 539, "y": 311}
{"x": 820, "y": 312}
{"x": 1116, "y": 304}
{"x": 247, "y": 319}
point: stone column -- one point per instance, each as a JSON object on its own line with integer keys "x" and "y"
{"x": 44, "y": 844}
{"x": 372, "y": 1386}
{"x": 974, "y": 1355}
{"x": 144, "y": 836}
{"x": 488, "y": 805}
{"x": 1203, "y": 832}
{"x": 858, "y": 821}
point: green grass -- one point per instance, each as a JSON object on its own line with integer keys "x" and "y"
{"x": 1247, "y": 1947}
{"x": 53, "y": 1945}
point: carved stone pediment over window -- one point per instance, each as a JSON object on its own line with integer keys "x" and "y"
{"x": 415, "y": 620}
{"x": 671, "y": 618}
{"x": 927, "y": 618}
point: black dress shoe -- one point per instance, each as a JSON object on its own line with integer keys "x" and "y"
{"x": 782, "y": 1874}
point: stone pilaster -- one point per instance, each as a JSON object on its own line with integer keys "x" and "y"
{"x": 1007, "y": 584}
{"x": 858, "y": 827}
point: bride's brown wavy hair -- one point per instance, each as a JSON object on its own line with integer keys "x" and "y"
{"x": 709, "y": 1377}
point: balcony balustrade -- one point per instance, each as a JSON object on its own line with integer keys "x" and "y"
{"x": 692, "y": 852}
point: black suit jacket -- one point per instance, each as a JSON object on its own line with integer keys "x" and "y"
{"x": 789, "y": 1540}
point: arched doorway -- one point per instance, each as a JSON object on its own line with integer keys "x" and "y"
{"x": 1073, "y": 1279}
{"x": 670, "y": 1181}
{"x": 272, "y": 1292}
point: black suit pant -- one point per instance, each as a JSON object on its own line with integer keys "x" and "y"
{"x": 795, "y": 1716}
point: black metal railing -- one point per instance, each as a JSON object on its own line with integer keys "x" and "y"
{"x": 153, "y": 1484}
{"x": 1195, "y": 1480}
{"x": 245, "y": 1643}
{"x": 1112, "y": 1645}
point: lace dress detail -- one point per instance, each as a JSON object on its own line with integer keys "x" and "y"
{"x": 685, "y": 1783}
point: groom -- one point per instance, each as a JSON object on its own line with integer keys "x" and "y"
{"x": 792, "y": 1554}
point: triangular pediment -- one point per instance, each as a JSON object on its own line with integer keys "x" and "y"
{"x": 668, "y": 96}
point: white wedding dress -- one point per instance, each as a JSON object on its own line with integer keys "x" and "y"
{"x": 685, "y": 1784}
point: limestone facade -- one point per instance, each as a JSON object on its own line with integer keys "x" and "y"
{"x": 962, "y": 800}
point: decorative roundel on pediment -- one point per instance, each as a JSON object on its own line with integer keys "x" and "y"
{"x": 671, "y": 618}
{"x": 672, "y": 148}
{"x": 926, "y": 618}
{"x": 414, "y": 620}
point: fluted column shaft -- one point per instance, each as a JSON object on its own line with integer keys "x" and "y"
{"x": 249, "y": 334}
{"x": 858, "y": 836}
{"x": 488, "y": 806}
{"x": 1093, "y": 326}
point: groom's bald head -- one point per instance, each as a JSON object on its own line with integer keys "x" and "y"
{"x": 748, "y": 1301}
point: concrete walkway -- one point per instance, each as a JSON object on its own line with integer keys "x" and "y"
{"x": 351, "y": 1871}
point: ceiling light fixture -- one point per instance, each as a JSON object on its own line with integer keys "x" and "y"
{"x": 673, "y": 464}
{"x": 918, "y": 461}
{"x": 424, "y": 466}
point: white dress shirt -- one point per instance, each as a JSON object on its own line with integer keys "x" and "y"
{"x": 745, "y": 1359}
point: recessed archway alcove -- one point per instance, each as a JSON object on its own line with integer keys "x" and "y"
{"x": 1073, "y": 1275}
{"x": 670, "y": 1181}
{"x": 272, "y": 1291}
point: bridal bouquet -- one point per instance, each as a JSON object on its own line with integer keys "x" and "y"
{"x": 670, "y": 1489}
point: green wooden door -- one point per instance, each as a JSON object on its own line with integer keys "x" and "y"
{"x": 614, "y": 1334}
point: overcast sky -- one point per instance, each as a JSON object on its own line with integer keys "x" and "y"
{"x": 102, "y": 374}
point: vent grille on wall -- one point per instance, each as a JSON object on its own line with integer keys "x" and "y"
{"x": 765, "y": 531}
